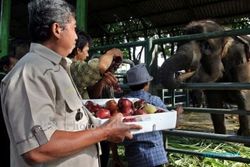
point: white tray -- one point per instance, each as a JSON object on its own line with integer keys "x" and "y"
{"x": 149, "y": 122}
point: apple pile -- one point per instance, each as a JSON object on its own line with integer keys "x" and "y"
{"x": 97, "y": 110}
{"x": 124, "y": 106}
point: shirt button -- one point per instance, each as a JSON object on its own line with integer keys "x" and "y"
{"x": 79, "y": 115}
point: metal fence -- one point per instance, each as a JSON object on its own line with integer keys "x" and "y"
{"x": 212, "y": 136}
{"x": 149, "y": 47}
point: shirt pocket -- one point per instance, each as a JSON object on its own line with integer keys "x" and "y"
{"x": 75, "y": 117}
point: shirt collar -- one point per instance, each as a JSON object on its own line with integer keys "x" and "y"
{"x": 45, "y": 52}
{"x": 137, "y": 92}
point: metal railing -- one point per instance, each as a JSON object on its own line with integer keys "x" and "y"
{"x": 149, "y": 46}
{"x": 213, "y": 136}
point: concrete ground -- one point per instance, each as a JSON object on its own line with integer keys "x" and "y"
{"x": 202, "y": 122}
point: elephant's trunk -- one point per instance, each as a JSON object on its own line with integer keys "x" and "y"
{"x": 169, "y": 68}
{"x": 183, "y": 77}
{"x": 186, "y": 57}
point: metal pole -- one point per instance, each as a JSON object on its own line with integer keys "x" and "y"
{"x": 81, "y": 14}
{"x": 212, "y": 136}
{"x": 148, "y": 51}
{"x": 202, "y": 36}
{"x": 124, "y": 45}
{"x": 224, "y": 156}
{"x": 4, "y": 27}
{"x": 216, "y": 86}
{"x": 216, "y": 110}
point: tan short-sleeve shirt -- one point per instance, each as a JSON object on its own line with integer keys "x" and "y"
{"x": 39, "y": 91}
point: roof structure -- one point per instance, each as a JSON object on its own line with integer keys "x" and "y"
{"x": 150, "y": 14}
{"x": 161, "y": 14}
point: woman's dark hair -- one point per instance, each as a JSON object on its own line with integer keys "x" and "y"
{"x": 138, "y": 87}
{"x": 82, "y": 39}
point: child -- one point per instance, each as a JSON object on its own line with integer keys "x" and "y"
{"x": 146, "y": 149}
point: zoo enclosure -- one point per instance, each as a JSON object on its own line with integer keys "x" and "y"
{"x": 149, "y": 45}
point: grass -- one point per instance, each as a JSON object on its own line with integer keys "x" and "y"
{"x": 208, "y": 147}
{"x": 203, "y": 146}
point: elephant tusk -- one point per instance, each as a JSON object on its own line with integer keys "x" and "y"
{"x": 184, "y": 76}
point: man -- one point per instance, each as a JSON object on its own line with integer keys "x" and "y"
{"x": 6, "y": 64}
{"x": 45, "y": 118}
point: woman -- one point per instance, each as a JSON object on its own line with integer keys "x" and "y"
{"x": 93, "y": 74}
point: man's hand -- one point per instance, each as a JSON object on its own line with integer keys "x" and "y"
{"x": 115, "y": 52}
{"x": 179, "y": 110}
{"x": 117, "y": 130}
{"x": 109, "y": 79}
{"x": 106, "y": 60}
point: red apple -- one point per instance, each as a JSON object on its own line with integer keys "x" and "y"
{"x": 139, "y": 112}
{"x": 112, "y": 106}
{"x": 127, "y": 111}
{"x": 103, "y": 113}
{"x": 139, "y": 104}
{"x": 92, "y": 107}
{"x": 95, "y": 108}
{"x": 89, "y": 103}
{"x": 124, "y": 103}
{"x": 159, "y": 111}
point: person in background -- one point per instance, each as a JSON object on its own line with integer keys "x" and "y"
{"x": 92, "y": 76}
{"x": 46, "y": 121}
{"x": 146, "y": 149}
{"x": 6, "y": 64}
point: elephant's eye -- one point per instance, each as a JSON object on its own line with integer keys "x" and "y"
{"x": 205, "y": 47}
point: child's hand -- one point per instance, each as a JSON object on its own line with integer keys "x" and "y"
{"x": 179, "y": 109}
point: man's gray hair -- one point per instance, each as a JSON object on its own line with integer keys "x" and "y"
{"x": 43, "y": 13}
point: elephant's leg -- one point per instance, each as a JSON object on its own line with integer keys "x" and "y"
{"x": 243, "y": 121}
{"x": 244, "y": 126}
{"x": 241, "y": 98}
{"x": 219, "y": 123}
{"x": 197, "y": 98}
{"x": 214, "y": 100}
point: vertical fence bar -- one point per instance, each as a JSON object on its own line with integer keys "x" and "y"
{"x": 81, "y": 14}
{"x": 148, "y": 51}
{"x": 4, "y": 26}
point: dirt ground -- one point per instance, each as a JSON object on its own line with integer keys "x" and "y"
{"x": 201, "y": 122}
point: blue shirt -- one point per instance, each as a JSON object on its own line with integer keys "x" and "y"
{"x": 146, "y": 149}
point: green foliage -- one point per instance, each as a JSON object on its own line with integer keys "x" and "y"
{"x": 241, "y": 23}
{"x": 203, "y": 146}
{"x": 207, "y": 147}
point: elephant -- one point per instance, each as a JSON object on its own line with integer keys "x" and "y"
{"x": 220, "y": 59}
